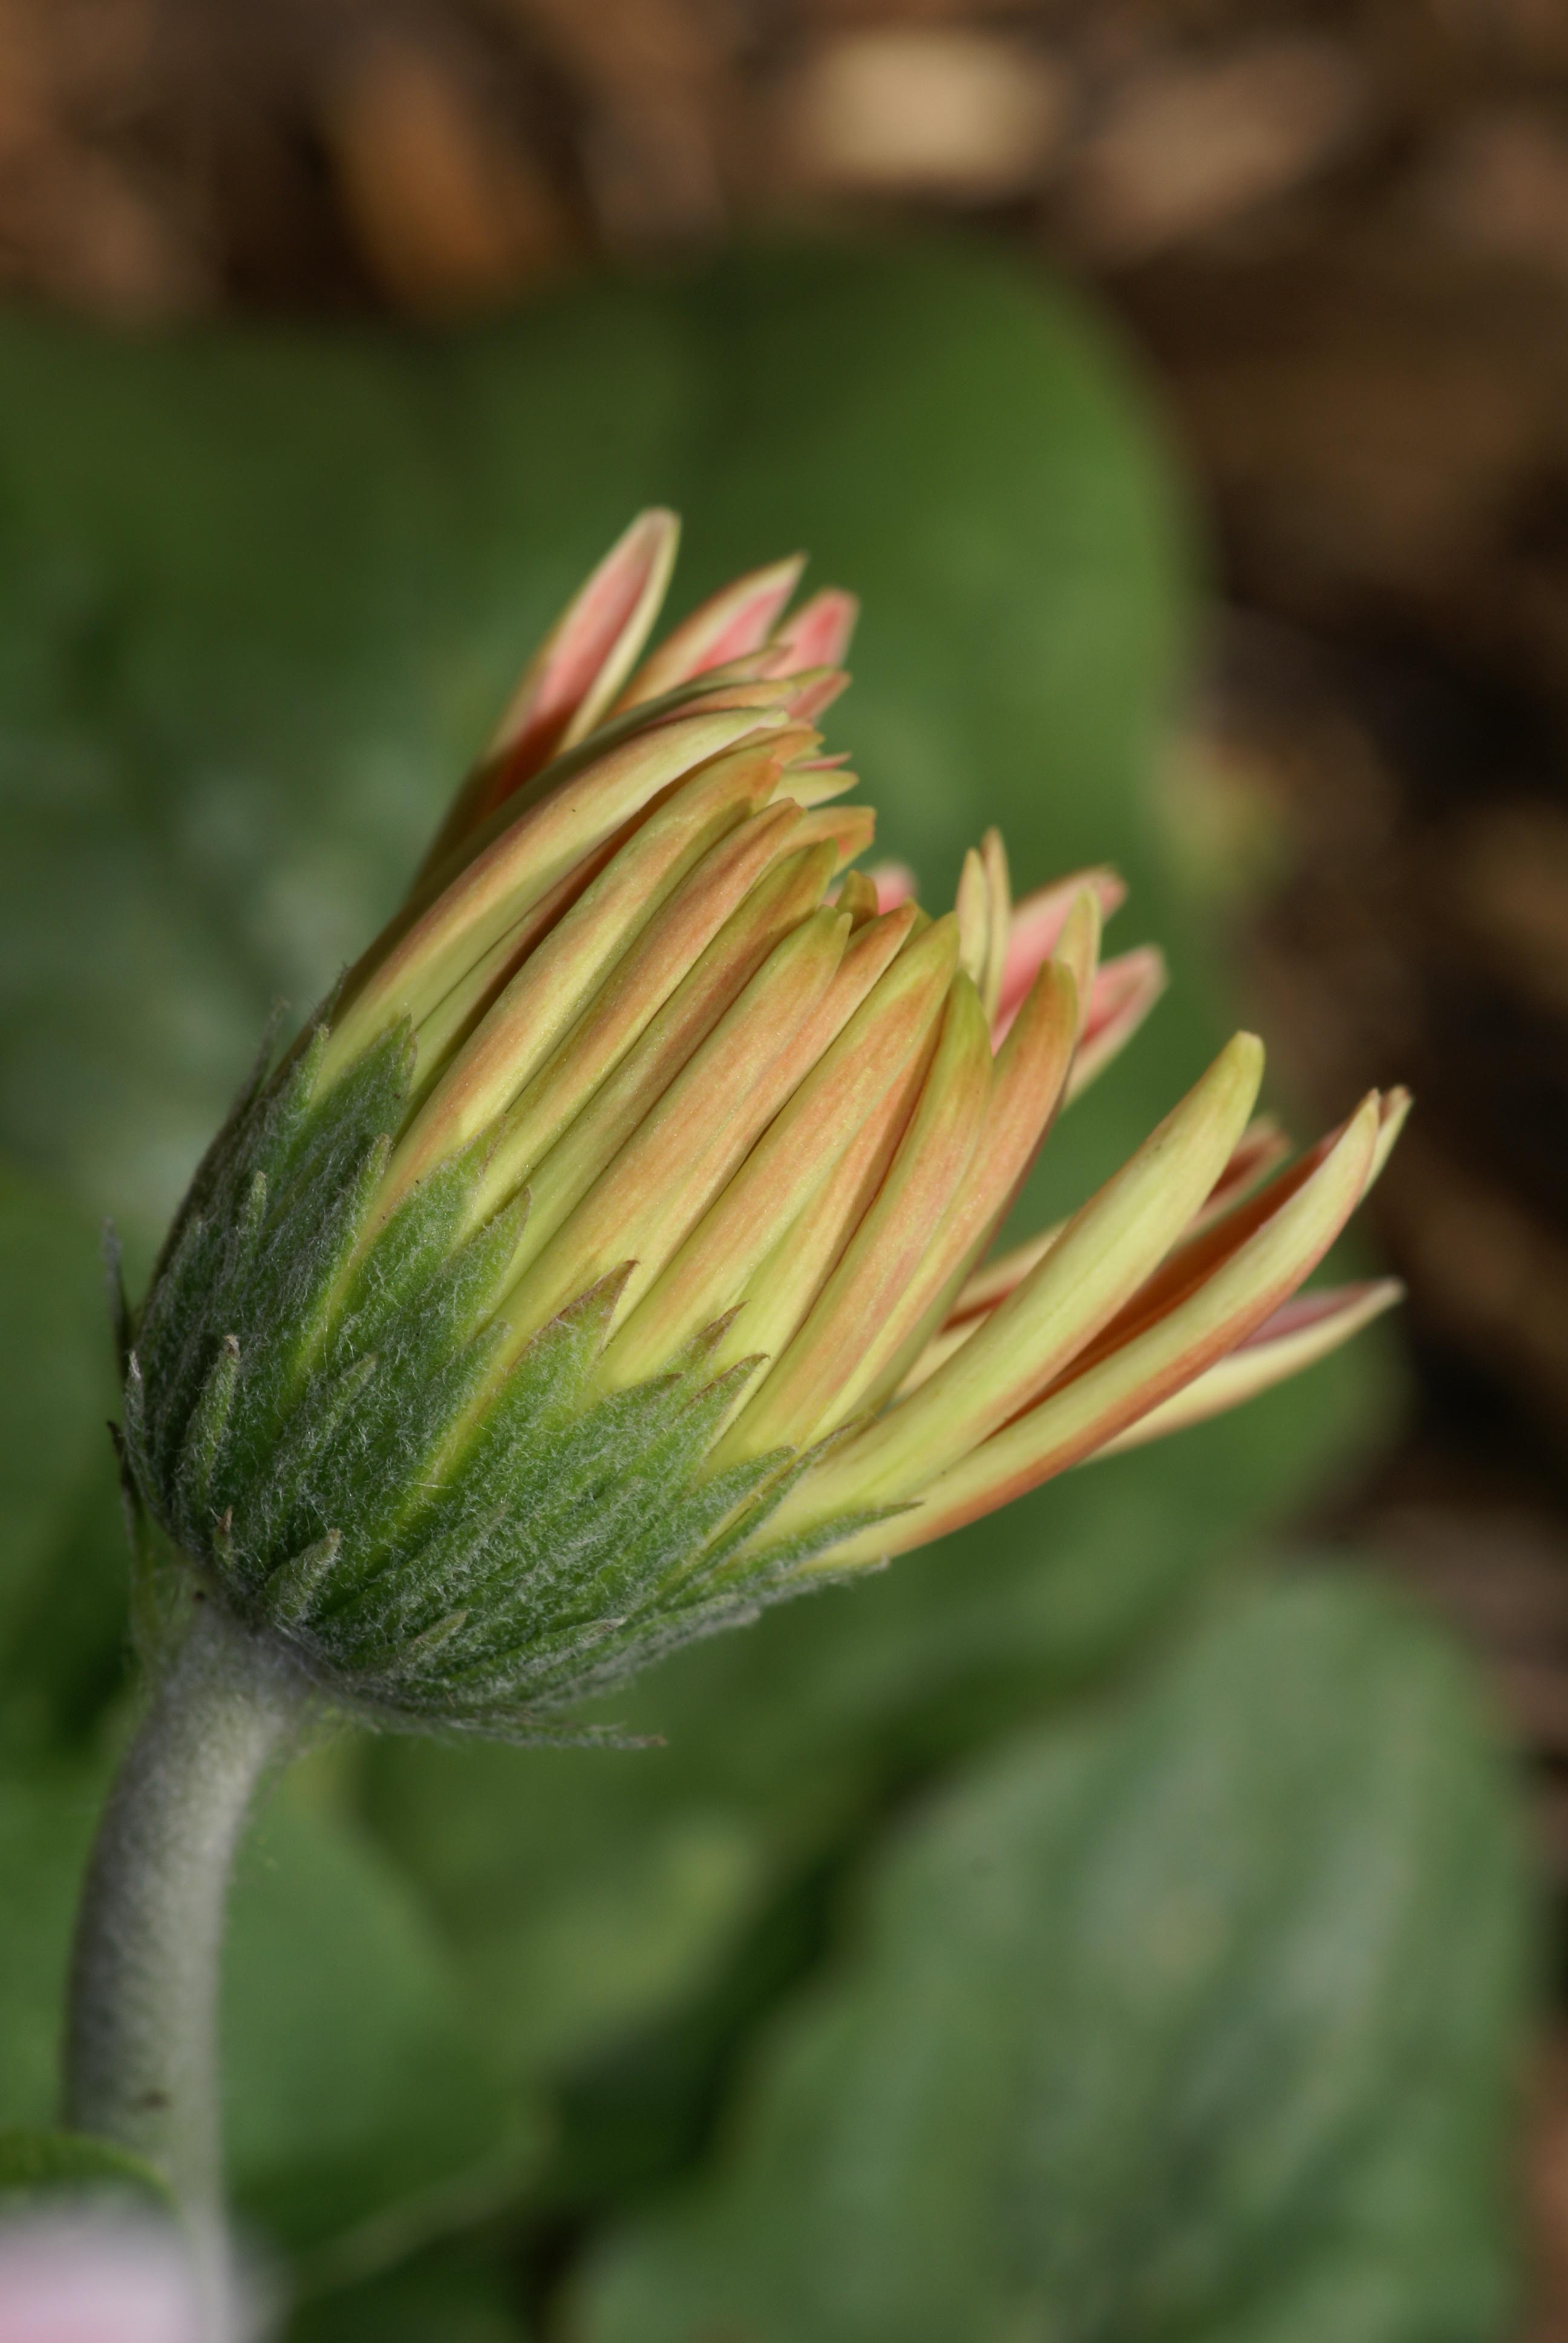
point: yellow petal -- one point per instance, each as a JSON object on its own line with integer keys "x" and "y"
{"x": 1103, "y": 1257}
{"x": 561, "y": 1166}
{"x": 862, "y": 1314}
{"x": 873, "y": 1023}
{"x": 549, "y": 992}
{"x": 644, "y": 1202}
{"x": 1091, "y": 1407}
{"x": 1030, "y": 1077}
{"x": 998, "y": 888}
{"x": 972, "y": 906}
{"x": 1077, "y": 947}
{"x": 557, "y": 1066}
{"x": 857, "y": 897}
{"x": 419, "y": 958}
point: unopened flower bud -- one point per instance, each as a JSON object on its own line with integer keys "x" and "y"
{"x": 605, "y": 1259}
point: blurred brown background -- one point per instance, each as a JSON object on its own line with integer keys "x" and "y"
{"x": 1339, "y": 233}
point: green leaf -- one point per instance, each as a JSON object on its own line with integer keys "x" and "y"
{"x": 62, "y": 1537}
{"x": 355, "y": 2090}
{"x": 49, "y": 2163}
{"x": 354, "y": 2082}
{"x": 262, "y": 595}
{"x": 1196, "y": 2018}
{"x": 589, "y": 1897}
{"x": 46, "y": 1818}
{"x": 451, "y": 2296}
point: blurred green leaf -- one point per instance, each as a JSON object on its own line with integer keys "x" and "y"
{"x": 352, "y": 2082}
{"x": 455, "y": 2295}
{"x": 62, "y": 1540}
{"x": 1194, "y": 2019}
{"x": 46, "y": 1818}
{"x": 49, "y": 2162}
{"x": 588, "y": 1895}
{"x": 261, "y": 595}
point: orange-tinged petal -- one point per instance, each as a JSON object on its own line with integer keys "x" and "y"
{"x": 645, "y": 1201}
{"x": 872, "y": 1024}
{"x": 550, "y": 989}
{"x": 1305, "y": 1328}
{"x": 1259, "y": 1148}
{"x": 850, "y": 829}
{"x": 738, "y": 618}
{"x": 574, "y": 673}
{"x": 817, "y": 780}
{"x": 1092, "y": 1406}
{"x": 1103, "y": 1257}
{"x": 782, "y": 1288}
{"x": 1211, "y": 1242}
{"x": 544, "y": 1069}
{"x": 561, "y": 1166}
{"x": 1031, "y": 1076}
{"x": 409, "y": 969}
{"x": 793, "y": 693}
{"x": 863, "y": 1314}
{"x": 857, "y": 897}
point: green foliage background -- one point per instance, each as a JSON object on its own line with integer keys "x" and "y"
{"x": 1057, "y": 1938}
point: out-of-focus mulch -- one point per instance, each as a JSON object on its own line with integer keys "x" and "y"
{"x": 1339, "y": 231}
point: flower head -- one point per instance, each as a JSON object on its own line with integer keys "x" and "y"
{"x": 608, "y": 1256}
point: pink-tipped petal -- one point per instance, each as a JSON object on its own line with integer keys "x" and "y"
{"x": 574, "y": 673}
{"x": 1095, "y": 1403}
{"x": 820, "y": 632}
{"x": 1103, "y": 1257}
{"x": 1123, "y": 993}
{"x": 740, "y": 619}
{"x": 895, "y": 883}
{"x": 1307, "y": 1328}
{"x": 1037, "y": 923}
{"x": 414, "y": 964}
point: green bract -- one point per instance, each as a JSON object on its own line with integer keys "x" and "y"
{"x": 291, "y": 1447}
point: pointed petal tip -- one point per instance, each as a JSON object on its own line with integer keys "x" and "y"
{"x": 895, "y": 883}
{"x": 820, "y": 632}
{"x": 1394, "y": 1114}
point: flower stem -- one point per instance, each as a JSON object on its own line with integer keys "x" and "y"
{"x": 141, "y": 2050}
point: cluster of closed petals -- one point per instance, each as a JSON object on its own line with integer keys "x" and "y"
{"x": 703, "y": 1059}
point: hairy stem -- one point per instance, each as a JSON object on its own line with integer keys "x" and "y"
{"x": 141, "y": 2049}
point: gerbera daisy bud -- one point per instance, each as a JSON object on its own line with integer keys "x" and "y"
{"x": 605, "y": 1259}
